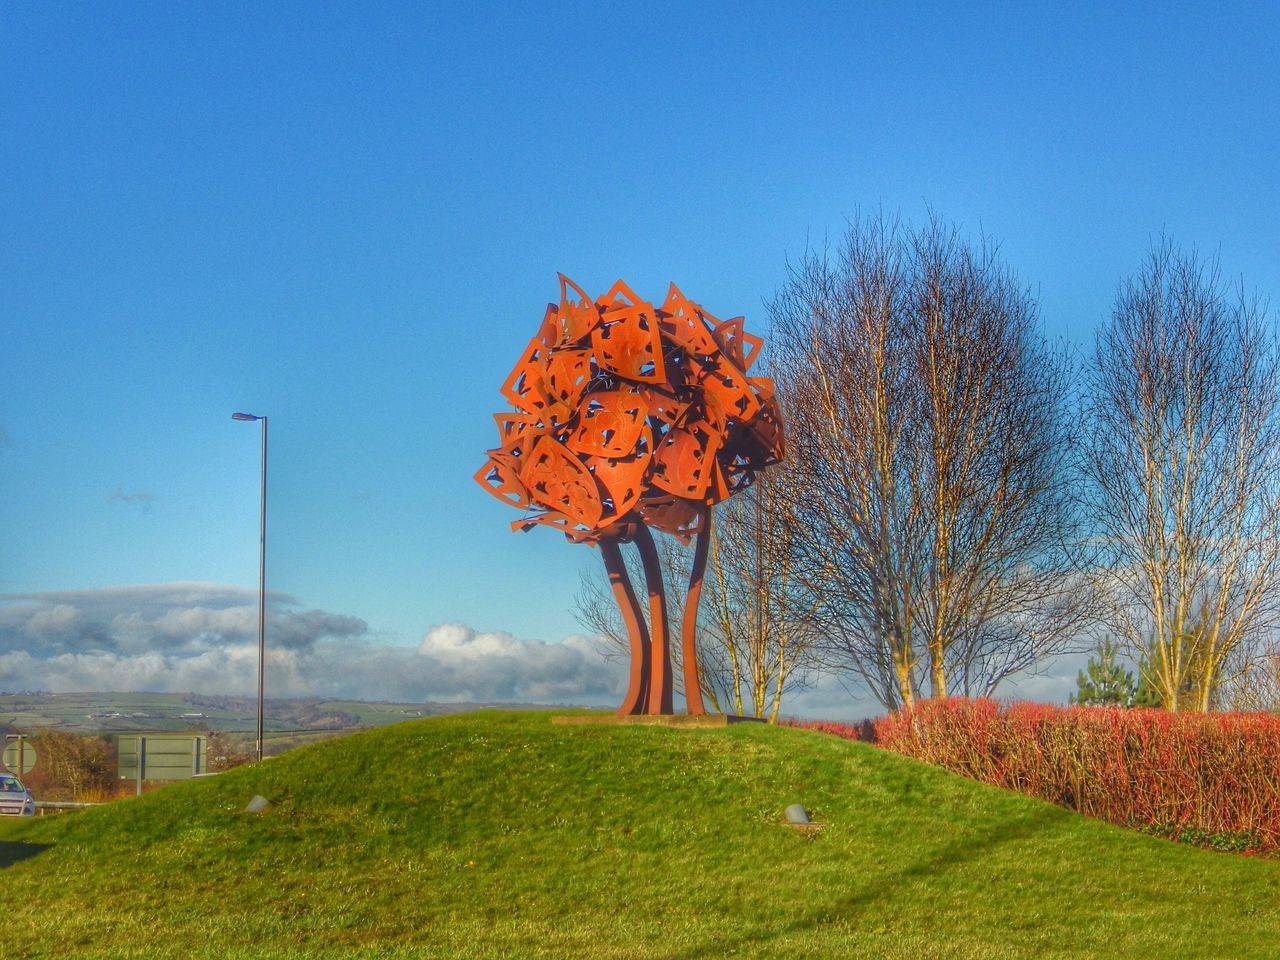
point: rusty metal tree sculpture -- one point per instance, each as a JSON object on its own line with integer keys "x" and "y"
{"x": 630, "y": 417}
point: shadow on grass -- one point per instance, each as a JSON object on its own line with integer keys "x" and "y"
{"x": 953, "y": 855}
{"x": 11, "y": 852}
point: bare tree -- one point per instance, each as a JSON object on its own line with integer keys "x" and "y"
{"x": 840, "y": 339}
{"x": 760, "y": 633}
{"x": 1184, "y": 463}
{"x": 926, "y": 425}
{"x": 75, "y": 767}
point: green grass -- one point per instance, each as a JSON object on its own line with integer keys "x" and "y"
{"x": 500, "y": 835}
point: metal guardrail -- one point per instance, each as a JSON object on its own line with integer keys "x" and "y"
{"x": 61, "y": 805}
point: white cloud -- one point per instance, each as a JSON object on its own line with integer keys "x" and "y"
{"x": 828, "y": 698}
{"x": 1052, "y": 683}
{"x": 58, "y": 620}
{"x": 498, "y": 666}
{"x": 204, "y": 637}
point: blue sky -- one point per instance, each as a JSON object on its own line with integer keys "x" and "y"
{"x": 349, "y": 217}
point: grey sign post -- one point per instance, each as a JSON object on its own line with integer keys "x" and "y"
{"x": 160, "y": 756}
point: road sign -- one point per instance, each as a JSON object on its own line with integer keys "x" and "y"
{"x": 160, "y": 756}
{"x": 19, "y": 753}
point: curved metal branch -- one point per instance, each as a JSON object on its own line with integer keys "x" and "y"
{"x": 689, "y": 625}
{"x": 660, "y": 679}
{"x": 633, "y": 619}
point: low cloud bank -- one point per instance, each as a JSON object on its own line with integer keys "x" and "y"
{"x": 204, "y": 637}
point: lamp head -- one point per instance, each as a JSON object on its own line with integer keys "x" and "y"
{"x": 244, "y": 416}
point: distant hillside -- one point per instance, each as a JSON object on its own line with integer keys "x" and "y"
{"x": 142, "y": 712}
{"x": 501, "y": 835}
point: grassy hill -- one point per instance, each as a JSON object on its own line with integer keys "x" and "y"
{"x": 500, "y": 835}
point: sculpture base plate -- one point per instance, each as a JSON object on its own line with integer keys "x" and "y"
{"x": 655, "y": 720}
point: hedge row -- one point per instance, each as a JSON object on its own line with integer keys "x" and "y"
{"x": 1212, "y": 779}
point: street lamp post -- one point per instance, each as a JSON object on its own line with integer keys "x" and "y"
{"x": 262, "y": 570}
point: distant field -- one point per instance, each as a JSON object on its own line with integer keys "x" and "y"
{"x": 500, "y": 836}
{"x": 91, "y": 713}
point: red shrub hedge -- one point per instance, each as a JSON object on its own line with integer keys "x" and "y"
{"x": 1210, "y": 778}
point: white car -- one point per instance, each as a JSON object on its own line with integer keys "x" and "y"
{"x": 15, "y": 799}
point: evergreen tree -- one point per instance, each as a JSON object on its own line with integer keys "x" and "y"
{"x": 1105, "y": 682}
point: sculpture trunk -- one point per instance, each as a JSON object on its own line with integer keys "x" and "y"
{"x": 650, "y": 689}
{"x": 689, "y": 622}
{"x": 660, "y": 677}
{"x": 637, "y": 632}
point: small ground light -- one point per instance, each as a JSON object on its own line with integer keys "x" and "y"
{"x": 796, "y": 813}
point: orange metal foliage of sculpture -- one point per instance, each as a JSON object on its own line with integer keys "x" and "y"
{"x": 630, "y": 416}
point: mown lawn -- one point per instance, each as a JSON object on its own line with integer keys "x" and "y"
{"x": 500, "y": 835}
